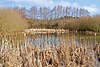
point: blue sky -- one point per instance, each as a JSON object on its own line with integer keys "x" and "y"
{"x": 91, "y": 5}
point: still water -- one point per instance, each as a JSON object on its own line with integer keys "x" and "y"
{"x": 80, "y": 39}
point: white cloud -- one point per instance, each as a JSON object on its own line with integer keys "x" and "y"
{"x": 42, "y": 2}
{"x": 63, "y": 3}
{"x": 92, "y": 9}
{"x": 75, "y": 4}
{"x": 30, "y": 1}
{"x": 1, "y": 6}
{"x": 50, "y": 3}
{"x": 15, "y": 0}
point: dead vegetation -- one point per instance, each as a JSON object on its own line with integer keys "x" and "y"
{"x": 27, "y": 55}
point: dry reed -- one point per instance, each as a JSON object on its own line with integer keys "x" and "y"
{"x": 27, "y": 55}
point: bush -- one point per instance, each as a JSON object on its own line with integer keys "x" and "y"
{"x": 84, "y": 24}
{"x": 80, "y": 24}
{"x": 11, "y": 20}
{"x": 97, "y": 23}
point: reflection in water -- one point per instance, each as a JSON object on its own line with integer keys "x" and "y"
{"x": 66, "y": 38}
{"x": 79, "y": 39}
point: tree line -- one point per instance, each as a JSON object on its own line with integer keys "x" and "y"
{"x": 46, "y": 13}
{"x": 21, "y": 18}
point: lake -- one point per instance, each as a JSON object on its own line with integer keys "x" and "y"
{"x": 80, "y": 39}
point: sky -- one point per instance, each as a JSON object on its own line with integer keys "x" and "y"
{"x": 91, "y": 5}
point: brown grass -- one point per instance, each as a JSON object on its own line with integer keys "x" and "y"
{"x": 28, "y": 55}
{"x": 11, "y": 20}
{"x": 31, "y": 56}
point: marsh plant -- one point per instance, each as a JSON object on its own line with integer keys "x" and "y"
{"x": 21, "y": 53}
{"x": 11, "y": 20}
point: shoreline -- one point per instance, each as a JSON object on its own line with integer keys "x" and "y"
{"x": 44, "y": 31}
{"x": 58, "y": 31}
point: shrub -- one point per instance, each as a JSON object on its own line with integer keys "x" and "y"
{"x": 11, "y": 20}
{"x": 84, "y": 24}
{"x": 80, "y": 24}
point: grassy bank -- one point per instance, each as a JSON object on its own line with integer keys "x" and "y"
{"x": 79, "y": 24}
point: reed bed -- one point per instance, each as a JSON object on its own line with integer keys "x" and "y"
{"x": 25, "y": 54}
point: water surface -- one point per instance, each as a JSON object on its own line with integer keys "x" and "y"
{"x": 80, "y": 39}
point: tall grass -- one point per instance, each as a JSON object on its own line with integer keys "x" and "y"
{"x": 24, "y": 54}
{"x": 87, "y": 24}
{"x": 11, "y": 20}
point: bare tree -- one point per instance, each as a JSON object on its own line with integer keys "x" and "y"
{"x": 68, "y": 11}
{"x": 59, "y": 11}
{"x": 45, "y": 13}
{"x": 54, "y": 12}
{"x": 40, "y": 13}
{"x": 23, "y": 11}
{"x": 33, "y": 12}
{"x": 86, "y": 13}
{"x": 75, "y": 12}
